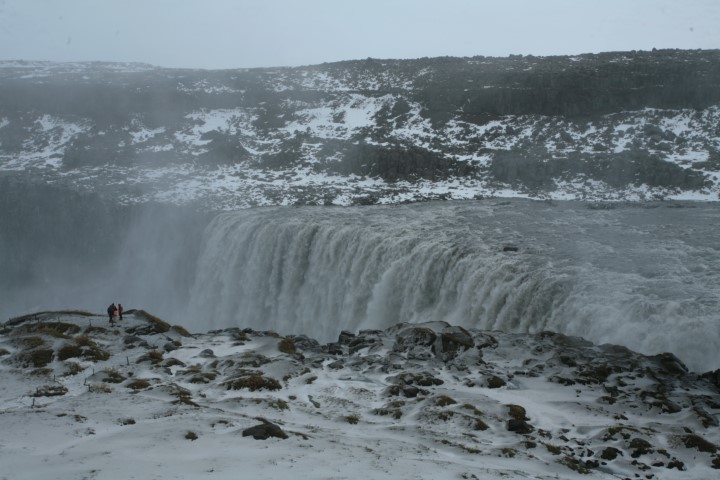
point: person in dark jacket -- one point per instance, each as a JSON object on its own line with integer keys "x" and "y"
{"x": 120, "y": 310}
{"x": 111, "y": 312}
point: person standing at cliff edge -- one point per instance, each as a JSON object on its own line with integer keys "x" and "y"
{"x": 120, "y": 310}
{"x": 112, "y": 311}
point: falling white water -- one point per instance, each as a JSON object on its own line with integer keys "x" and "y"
{"x": 646, "y": 278}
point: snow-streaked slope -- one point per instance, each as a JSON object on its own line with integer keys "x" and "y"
{"x": 234, "y": 139}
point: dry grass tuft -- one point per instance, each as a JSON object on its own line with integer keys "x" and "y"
{"x": 444, "y": 401}
{"x": 32, "y": 342}
{"x": 351, "y": 419}
{"x": 252, "y": 381}
{"x": 100, "y": 388}
{"x": 159, "y": 325}
{"x": 699, "y": 443}
{"x": 83, "y": 346}
{"x": 54, "y": 329}
{"x": 181, "y": 331}
{"x": 38, "y": 358}
{"x": 139, "y": 384}
{"x": 50, "y": 391}
{"x": 517, "y": 412}
{"x": 93, "y": 329}
{"x": 72, "y": 368}
{"x": 155, "y": 356}
{"x": 113, "y": 376}
{"x": 286, "y": 345}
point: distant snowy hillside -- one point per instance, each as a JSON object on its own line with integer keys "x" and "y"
{"x": 627, "y": 125}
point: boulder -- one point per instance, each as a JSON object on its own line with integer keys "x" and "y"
{"x": 407, "y": 391}
{"x": 423, "y": 379}
{"x": 452, "y": 342}
{"x": 337, "y": 365}
{"x": 207, "y": 353}
{"x": 413, "y": 337}
{"x": 303, "y": 342}
{"x": 345, "y": 337}
{"x": 519, "y": 426}
{"x": 495, "y": 382}
{"x": 361, "y": 342}
{"x": 334, "y": 349}
{"x": 670, "y": 364}
{"x": 640, "y": 446}
{"x": 135, "y": 341}
{"x": 264, "y": 431}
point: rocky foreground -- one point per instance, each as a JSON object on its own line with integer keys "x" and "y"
{"x": 80, "y": 398}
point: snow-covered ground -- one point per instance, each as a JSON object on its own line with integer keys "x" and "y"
{"x": 82, "y": 399}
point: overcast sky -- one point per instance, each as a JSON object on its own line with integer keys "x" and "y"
{"x": 256, "y": 33}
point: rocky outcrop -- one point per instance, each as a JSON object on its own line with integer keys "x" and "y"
{"x": 451, "y": 342}
{"x": 264, "y": 431}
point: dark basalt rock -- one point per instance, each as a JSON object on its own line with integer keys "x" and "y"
{"x": 264, "y": 431}
{"x": 303, "y": 342}
{"x": 670, "y": 364}
{"x": 346, "y": 337}
{"x": 452, "y": 342}
{"x": 407, "y": 391}
{"x": 485, "y": 340}
{"x": 413, "y": 337}
{"x": 519, "y": 426}
{"x": 495, "y": 382}
{"x": 132, "y": 339}
{"x": 712, "y": 377}
{"x": 361, "y": 342}
{"x": 333, "y": 349}
{"x": 640, "y": 447}
{"x": 699, "y": 443}
{"x": 568, "y": 360}
{"x": 610, "y": 453}
{"x": 142, "y": 330}
{"x": 423, "y": 379}
{"x": 337, "y": 365}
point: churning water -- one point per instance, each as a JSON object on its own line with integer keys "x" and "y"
{"x": 646, "y": 276}
{"x": 643, "y": 276}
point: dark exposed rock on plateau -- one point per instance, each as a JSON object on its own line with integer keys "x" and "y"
{"x": 264, "y": 431}
{"x": 519, "y": 426}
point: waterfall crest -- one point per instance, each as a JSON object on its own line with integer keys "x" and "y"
{"x": 598, "y": 274}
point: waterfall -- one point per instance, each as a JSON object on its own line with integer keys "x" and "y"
{"x": 317, "y": 275}
{"x": 610, "y": 276}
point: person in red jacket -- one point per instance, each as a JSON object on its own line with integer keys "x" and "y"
{"x": 120, "y": 310}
